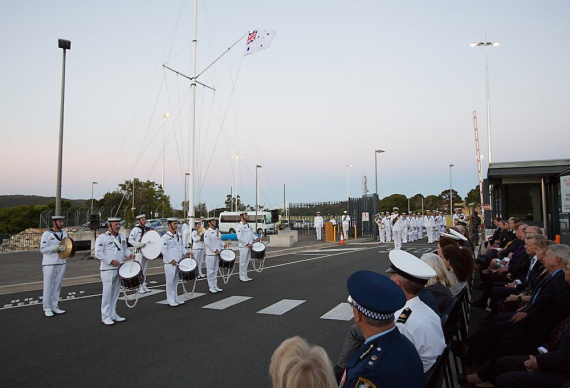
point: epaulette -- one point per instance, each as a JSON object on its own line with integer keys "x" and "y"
{"x": 404, "y": 315}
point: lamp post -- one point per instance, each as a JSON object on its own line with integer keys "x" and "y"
{"x": 257, "y": 167}
{"x": 376, "y": 166}
{"x": 450, "y": 195}
{"x": 186, "y": 214}
{"x": 237, "y": 158}
{"x": 486, "y": 45}
{"x": 65, "y": 45}
{"x": 347, "y": 167}
{"x": 92, "y": 183}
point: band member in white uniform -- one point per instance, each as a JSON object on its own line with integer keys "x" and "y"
{"x": 388, "y": 228}
{"x": 429, "y": 224}
{"x": 214, "y": 245}
{"x": 437, "y": 225}
{"x": 135, "y": 240}
{"x": 186, "y": 231}
{"x": 406, "y": 229}
{"x": 52, "y": 266}
{"x": 198, "y": 246}
{"x": 172, "y": 252}
{"x": 111, "y": 249}
{"x": 319, "y": 226}
{"x": 345, "y": 224}
{"x": 397, "y": 228}
{"x": 379, "y": 222}
{"x": 245, "y": 242}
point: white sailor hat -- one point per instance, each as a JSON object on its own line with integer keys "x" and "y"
{"x": 172, "y": 219}
{"x": 345, "y": 211}
{"x": 462, "y": 220}
{"x": 208, "y": 219}
{"x": 410, "y": 267}
{"x": 57, "y": 218}
{"x": 114, "y": 219}
{"x": 395, "y": 208}
{"x": 451, "y": 236}
{"x": 404, "y": 213}
{"x": 243, "y": 212}
{"x": 140, "y": 216}
{"x": 318, "y": 212}
{"x": 197, "y": 221}
{"x": 381, "y": 212}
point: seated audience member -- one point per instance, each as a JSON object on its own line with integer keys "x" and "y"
{"x": 439, "y": 285}
{"x": 295, "y": 363}
{"x": 459, "y": 262}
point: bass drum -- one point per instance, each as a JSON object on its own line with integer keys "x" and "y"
{"x": 153, "y": 242}
{"x": 187, "y": 269}
{"x": 227, "y": 258}
{"x": 258, "y": 251}
{"x": 131, "y": 276}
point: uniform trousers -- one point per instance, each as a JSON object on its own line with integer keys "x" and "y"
{"x": 111, "y": 288}
{"x": 388, "y": 232}
{"x": 515, "y": 375}
{"x": 53, "y": 276}
{"x": 382, "y": 235}
{"x": 212, "y": 265}
{"x": 171, "y": 277}
{"x": 319, "y": 231}
{"x": 244, "y": 257}
{"x": 185, "y": 239}
{"x": 143, "y": 261}
{"x": 199, "y": 257}
{"x": 397, "y": 235}
{"x": 405, "y": 236}
{"x": 430, "y": 233}
{"x": 345, "y": 228}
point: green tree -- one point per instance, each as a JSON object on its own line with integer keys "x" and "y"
{"x": 445, "y": 196}
{"x": 18, "y": 218}
{"x": 240, "y": 206}
{"x": 416, "y": 203}
{"x": 473, "y": 196}
{"x": 395, "y": 200}
{"x": 433, "y": 202}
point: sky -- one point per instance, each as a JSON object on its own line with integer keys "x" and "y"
{"x": 340, "y": 80}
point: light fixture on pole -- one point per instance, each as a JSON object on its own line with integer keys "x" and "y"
{"x": 486, "y": 45}
{"x": 257, "y": 167}
{"x": 186, "y": 214}
{"x": 347, "y": 167}
{"x": 450, "y": 195}
{"x": 65, "y": 45}
{"x": 237, "y": 158}
{"x": 92, "y": 183}
{"x": 376, "y": 166}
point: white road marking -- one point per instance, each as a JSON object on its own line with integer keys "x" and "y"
{"x": 227, "y": 302}
{"x": 342, "y": 312}
{"x": 182, "y": 297}
{"x": 281, "y": 307}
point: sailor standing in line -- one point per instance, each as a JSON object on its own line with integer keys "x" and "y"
{"x": 429, "y": 225}
{"x": 186, "y": 231}
{"x": 397, "y": 228}
{"x": 245, "y": 242}
{"x": 380, "y": 223}
{"x": 319, "y": 226}
{"x": 388, "y": 227}
{"x": 214, "y": 245}
{"x": 198, "y": 246}
{"x": 53, "y": 266}
{"x": 345, "y": 224}
{"x": 135, "y": 240}
{"x": 406, "y": 229}
{"x": 172, "y": 252}
{"x": 111, "y": 249}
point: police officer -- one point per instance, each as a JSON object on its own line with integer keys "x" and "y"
{"x": 245, "y": 242}
{"x": 52, "y": 266}
{"x": 198, "y": 246}
{"x": 214, "y": 245}
{"x": 387, "y": 358}
{"x": 135, "y": 240}
{"x": 111, "y": 249}
{"x": 172, "y": 252}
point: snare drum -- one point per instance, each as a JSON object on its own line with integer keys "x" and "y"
{"x": 187, "y": 269}
{"x": 258, "y": 251}
{"x": 130, "y": 274}
{"x": 227, "y": 258}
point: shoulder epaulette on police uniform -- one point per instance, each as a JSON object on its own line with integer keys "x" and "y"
{"x": 404, "y": 315}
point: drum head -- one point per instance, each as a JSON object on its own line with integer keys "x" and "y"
{"x": 187, "y": 264}
{"x": 153, "y": 241}
{"x": 129, "y": 269}
{"x": 227, "y": 255}
{"x": 258, "y": 246}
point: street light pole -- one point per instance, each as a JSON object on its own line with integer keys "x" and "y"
{"x": 237, "y": 158}
{"x": 376, "y": 167}
{"x": 185, "y": 197}
{"x": 65, "y": 45}
{"x": 257, "y": 167}
{"x": 347, "y": 167}
{"x": 450, "y": 195}
{"x": 486, "y": 45}
{"x": 92, "y": 183}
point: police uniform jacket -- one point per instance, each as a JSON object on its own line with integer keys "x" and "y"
{"x": 422, "y": 326}
{"x": 389, "y": 360}
{"x": 49, "y": 246}
{"x": 172, "y": 247}
{"x": 109, "y": 248}
{"x": 244, "y": 234}
{"x": 213, "y": 241}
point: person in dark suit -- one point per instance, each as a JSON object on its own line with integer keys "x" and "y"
{"x": 387, "y": 358}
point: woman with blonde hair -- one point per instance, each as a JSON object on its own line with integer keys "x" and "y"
{"x": 295, "y": 363}
{"x": 440, "y": 285}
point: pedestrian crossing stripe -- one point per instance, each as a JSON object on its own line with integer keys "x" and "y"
{"x": 227, "y": 302}
{"x": 281, "y": 307}
{"x": 342, "y": 312}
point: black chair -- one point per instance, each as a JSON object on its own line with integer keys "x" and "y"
{"x": 439, "y": 372}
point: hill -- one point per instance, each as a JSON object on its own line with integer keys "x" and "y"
{"x": 32, "y": 200}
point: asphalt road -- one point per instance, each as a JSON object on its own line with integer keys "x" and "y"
{"x": 223, "y": 339}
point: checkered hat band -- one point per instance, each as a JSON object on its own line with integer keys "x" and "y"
{"x": 372, "y": 314}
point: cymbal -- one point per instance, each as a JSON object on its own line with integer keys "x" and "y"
{"x": 69, "y": 248}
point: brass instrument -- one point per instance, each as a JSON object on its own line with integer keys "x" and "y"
{"x": 201, "y": 232}
{"x": 378, "y": 220}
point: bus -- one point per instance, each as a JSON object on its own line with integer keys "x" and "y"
{"x": 228, "y": 220}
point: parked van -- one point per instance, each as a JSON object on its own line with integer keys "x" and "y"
{"x": 228, "y": 220}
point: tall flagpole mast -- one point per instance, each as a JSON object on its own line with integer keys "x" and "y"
{"x": 192, "y": 145}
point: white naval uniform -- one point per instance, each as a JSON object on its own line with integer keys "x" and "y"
{"x": 319, "y": 227}
{"x": 437, "y": 227}
{"x": 245, "y": 239}
{"x": 172, "y": 249}
{"x": 429, "y": 224}
{"x": 385, "y": 221}
{"x": 186, "y": 231}
{"x": 198, "y": 250}
{"x": 420, "y": 232}
{"x": 423, "y": 328}
{"x": 345, "y": 225}
{"x": 213, "y": 243}
{"x": 413, "y": 231}
{"x": 388, "y": 228}
{"x": 53, "y": 267}
{"x": 107, "y": 249}
{"x": 406, "y": 230}
{"x": 135, "y": 240}
{"x": 397, "y": 228}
